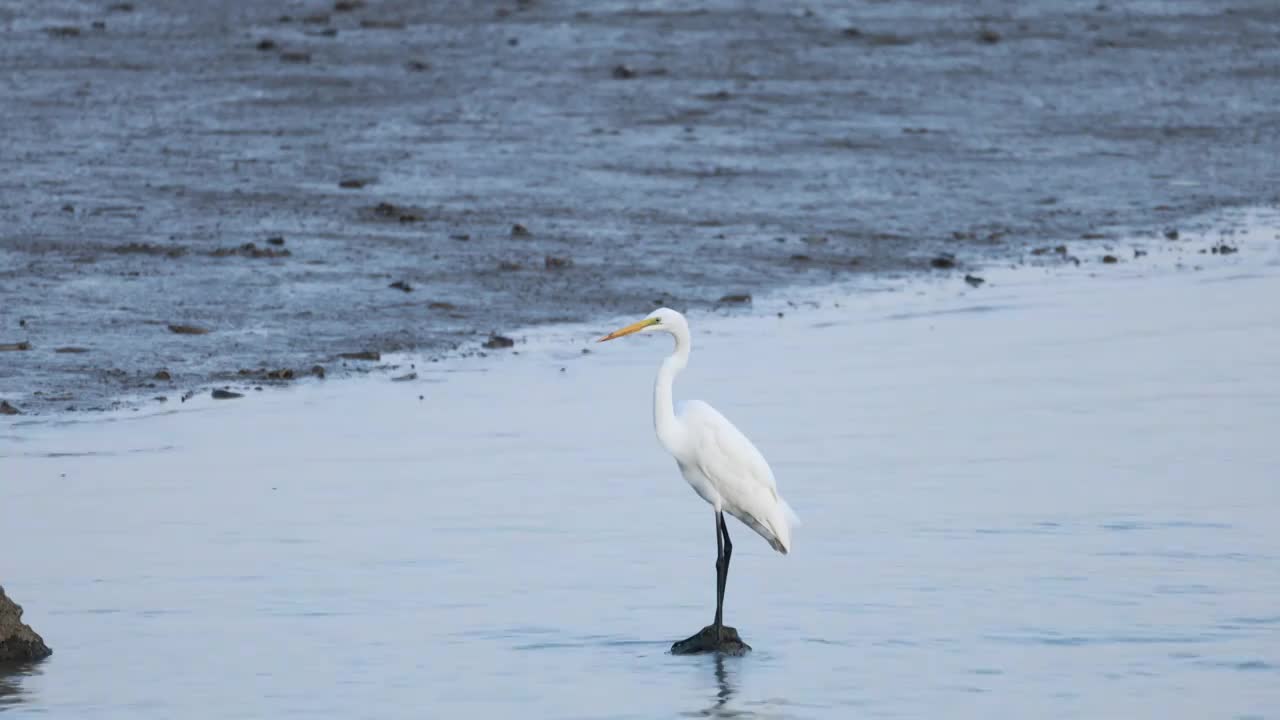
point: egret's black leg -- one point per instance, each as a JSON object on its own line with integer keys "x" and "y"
{"x": 716, "y": 637}
{"x": 722, "y": 572}
{"x": 728, "y": 551}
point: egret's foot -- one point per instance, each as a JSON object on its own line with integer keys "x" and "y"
{"x": 706, "y": 640}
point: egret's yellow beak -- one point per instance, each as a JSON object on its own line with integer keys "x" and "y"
{"x": 632, "y": 328}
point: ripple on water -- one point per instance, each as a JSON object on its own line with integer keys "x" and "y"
{"x": 1042, "y": 637}
{"x": 1254, "y": 665}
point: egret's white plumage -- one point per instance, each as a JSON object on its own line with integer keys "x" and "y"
{"x": 717, "y": 460}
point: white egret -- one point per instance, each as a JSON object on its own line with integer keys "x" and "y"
{"x": 721, "y": 465}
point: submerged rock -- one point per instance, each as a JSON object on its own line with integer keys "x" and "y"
{"x": 706, "y": 641}
{"x": 18, "y": 642}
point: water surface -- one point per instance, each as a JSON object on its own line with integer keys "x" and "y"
{"x": 1053, "y": 496}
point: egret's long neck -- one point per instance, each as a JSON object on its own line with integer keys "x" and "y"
{"x": 664, "y": 413}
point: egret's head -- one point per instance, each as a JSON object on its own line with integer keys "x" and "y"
{"x": 660, "y": 320}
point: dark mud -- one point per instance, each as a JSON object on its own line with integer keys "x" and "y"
{"x": 267, "y": 171}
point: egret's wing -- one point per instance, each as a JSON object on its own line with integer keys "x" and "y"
{"x": 739, "y": 472}
{"x": 724, "y": 454}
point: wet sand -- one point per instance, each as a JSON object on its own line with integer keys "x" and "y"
{"x": 1053, "y": 495}
{"x": 651, "y": 153}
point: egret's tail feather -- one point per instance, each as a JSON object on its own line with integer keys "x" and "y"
{"x": 781, "y": 523}
{"x": 792, "y": 518}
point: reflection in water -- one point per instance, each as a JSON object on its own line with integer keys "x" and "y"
{"x": 724, "y": 689}
{"x": 724, "y": 692}
{"x": 11, "y": 692}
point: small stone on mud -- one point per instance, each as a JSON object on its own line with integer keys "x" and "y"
{"x": 11, "y": 347}
{"x": 71, "y": 350}
{"x": 123, "y": 7}
{"x": 1093, "y": 236}
{"x": 1223, "y": 249}
{"x": 987, "y": 36}
{"x": 351, "y": 183}
{"x": 736, "y": 298}
{"x": 387, "y": 210}
{"x": 163, "y": 375}
{"x": 496, "y": 342}
{"x": 1171, "y": 233}
{"x": 406, "y": 377}
{"x": 318, "y": 371}
{"x": 63, "y": 31}
{"x": 250, "y": 250}
{"x": 943, "y": 262}
{"x": 220, "y": 394}
{"x": 519, "y": 230}
{"x": 556, "y": 263}
{"x": 187, "y": 330}
{"x": 800, "y": 258}
{"x": 276, "y": 240}
{"x": 417, "y": 66}
{"x": 623, "y": 72}
{"x": 365, "y": 355}
{"x": 7, "y": 409}
{"x": 460, "y": 237}
{"x": 1110, "y": 259}
{"x": 1138, "y": 253}
{"x": 266, "y": 44}
{"x": 974, "y": 280}
{"x": 347, "y": 5}
{"x": 401, "y": 285}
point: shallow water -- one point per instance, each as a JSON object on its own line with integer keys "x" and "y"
{"x": 1054, "y": 496}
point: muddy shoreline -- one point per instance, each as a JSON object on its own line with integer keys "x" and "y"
{"x": 291, "y": 184}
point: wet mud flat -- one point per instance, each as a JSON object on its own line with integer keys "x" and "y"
{"x": 290, "y": 183}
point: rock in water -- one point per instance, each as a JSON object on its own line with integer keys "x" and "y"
{"x": 705, "y": 641}
{"x": 18, "y": 642}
